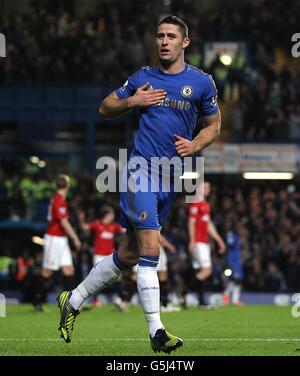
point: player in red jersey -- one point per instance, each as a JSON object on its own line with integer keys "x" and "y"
{"x": 200, "y": 228}
{"x": 57, "y": 253}
{"x": 104, "y": 230}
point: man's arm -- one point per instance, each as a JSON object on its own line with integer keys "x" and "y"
{"x": 66, "y": 225}
{"x": 216, "y": 236}
{"x": 84, "y": 226}
{"x": 168, "y": 245}
{"x": 112, "y": 106}
{"x": 191, "y": 230}
{"x": 211, "y": 130}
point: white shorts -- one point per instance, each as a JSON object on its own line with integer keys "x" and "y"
{"x": 162, "y": 265}
{"x": 57, "y": 253}
{"x": 201, "y": 257}
{"x": 98, "y": 258}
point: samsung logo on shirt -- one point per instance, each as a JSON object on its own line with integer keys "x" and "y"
{"x": 106, "y": 235}
{"x": 175, "y": 103}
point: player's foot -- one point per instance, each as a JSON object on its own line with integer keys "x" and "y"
{"x": 96, "y": 303}
{"x": 206, "y": 306}
{"x": 164, "y": 341}
{"x": 238, "y": 303}
{"x": 67, "y": 316}
{"x": 169, "y": 308}
{"x": 121, "y": 304}
{"x": 39, "y": 307}
{"x": 226, "y": 299}
{"x": 183, "y": 302}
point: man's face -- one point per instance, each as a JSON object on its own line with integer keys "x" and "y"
{"x": 109, "y": 218}
{"x": 170, "y": 43}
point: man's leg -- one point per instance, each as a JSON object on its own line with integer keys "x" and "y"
{"x": 41, "y": 288}
{"x": 201, "y": 276}
{"x": 107, "y": 271}
{"x": 68, "y": 277}
{"x": 201, "y": 261}
{"x": 236, "y": 292}
{"x": 149, "y": 292}
{"x": 147, "y": 279}
{"x": 227, "y": 292}
{"x": 102, "y": 275}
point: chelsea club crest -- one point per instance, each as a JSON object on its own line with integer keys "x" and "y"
{"x": 187, "y": 91}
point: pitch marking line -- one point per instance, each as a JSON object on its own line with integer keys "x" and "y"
{"x": 146, "y": 340}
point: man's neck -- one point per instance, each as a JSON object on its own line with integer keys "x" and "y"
{"x": 62, "y": 192}
{"x": 174, "y": 68}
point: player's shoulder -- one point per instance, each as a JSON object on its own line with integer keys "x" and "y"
{"x": 59, "y": 199}
{"x": 96, "y": 222}
{"x": 195, "y": 204}
{"x": 199, "y": 73}
{"x": 139, "y": 76}
{"x": 147, "y": 70}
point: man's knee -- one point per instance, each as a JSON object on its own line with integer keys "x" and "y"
{"x": 46, "y": 273}
{"x": 68, "y": 271}
{"x": 204, "y": 273}
{"x": 129, "y": 249}
{"x": 149, "y": 242}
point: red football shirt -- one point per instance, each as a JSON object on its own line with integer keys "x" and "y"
{"x": 58, "y": 209}
{"x": 201, "y": 212}
{"x": 104, "y": 237}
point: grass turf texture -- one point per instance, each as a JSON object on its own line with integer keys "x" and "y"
{"x": 247, "y": 330}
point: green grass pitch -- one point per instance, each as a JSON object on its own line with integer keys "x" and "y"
{"x": 247, "y": 330}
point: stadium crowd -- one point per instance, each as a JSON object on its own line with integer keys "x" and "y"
{"x": 266, "y": 218}
{"x": 52, "y": 45}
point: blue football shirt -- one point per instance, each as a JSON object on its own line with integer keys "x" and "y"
{"x": 190, "y": 94}
{"x": 234, "y": 254}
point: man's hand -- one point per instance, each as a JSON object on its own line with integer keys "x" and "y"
{"x": 184, "y": 147}
{"x": 222, "y": 248}
{"x": 144, "y": 98}
{"x": 77, "y": 244}
{"x": 192, "y": 247}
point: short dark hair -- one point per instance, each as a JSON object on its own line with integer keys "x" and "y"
{"x": 105, "y": 210}
{"x": 174, "y": 20}
{"x": 62, "y": 181}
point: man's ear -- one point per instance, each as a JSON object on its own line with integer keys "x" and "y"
{"x": 185, "y": 42}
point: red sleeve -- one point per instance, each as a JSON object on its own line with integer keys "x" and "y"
{"x": 93, "y": 226}
{"x": 60, "y": 209}
{"x": 118, "y": 228}
{"x": 193, "y": 210}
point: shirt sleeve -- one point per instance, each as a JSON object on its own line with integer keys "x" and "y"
{"x": 129, "y": 87}
{"x": 193, "y": 211}
{"x": 92, "y": 226}
{"x": 61, "y": 210}
{"x": 209, "y": 104}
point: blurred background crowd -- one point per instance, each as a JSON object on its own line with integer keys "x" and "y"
{"x": 266, "y": 218}
{"x": 51, "y": 44}
{"x": 69, "y": 43}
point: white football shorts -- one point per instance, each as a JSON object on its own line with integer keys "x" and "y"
{"x": 57, "y": 253}
{"x": 201, "y": 257}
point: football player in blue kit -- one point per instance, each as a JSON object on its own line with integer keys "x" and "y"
{"x": 170, "y": 98}
{"x": 232, "y": 291}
